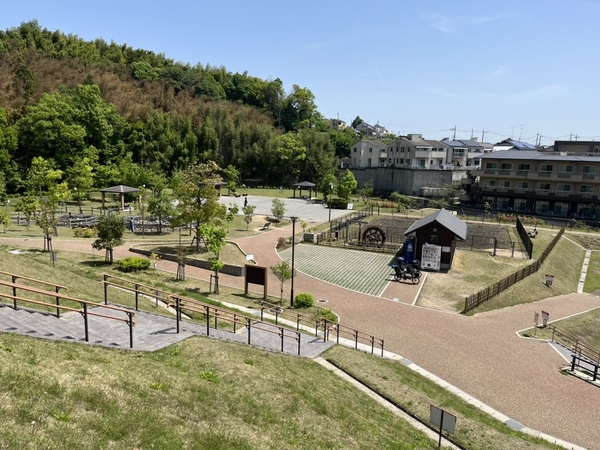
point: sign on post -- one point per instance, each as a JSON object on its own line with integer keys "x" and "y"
{"x": 549, "y": 280}
{"x": 443, "y": 420}
{"x": 536, "y": 319}
{"x": 545, "y": 317}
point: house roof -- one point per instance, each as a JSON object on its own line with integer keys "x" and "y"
{"x": 445, "y": 219}
{"x": 519, "y": 145}
{"x": 462, "y": 143}
{"x": 538, "y": 156}
{"x": 120, "y": 189}
{"x": 304, "y": 184}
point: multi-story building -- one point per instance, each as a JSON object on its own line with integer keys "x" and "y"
{"x": 413, "y": 151}
{"x": 369, "y": 153}
{"x": 336, "y": 124}
{"x": 465, "y": 152}
{"x": 529, "y": 181}
{"x": 589, "y": 148}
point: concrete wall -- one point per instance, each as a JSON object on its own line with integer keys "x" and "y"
{"x": 404, "y": 181}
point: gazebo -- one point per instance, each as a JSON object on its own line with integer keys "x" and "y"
{"x": 305, "y": 185}
{"x": 120, "y": 189}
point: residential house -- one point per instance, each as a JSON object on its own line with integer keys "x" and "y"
{"x": 369, "y": 153}
{"x": 513, "y": 144}
{"x": 589, "y": 148}
{"x": 336, "y": 124}
{"x": 413, "y": 151}
{"x": 371, "y": 130}
{"x": 465, "y": 152}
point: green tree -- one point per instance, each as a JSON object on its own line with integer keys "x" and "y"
{"x": 44, "y": 178}
{"x": 214, "y": 237}
{"x": 80, "y": 177}
{"x": 161, "y": 207}
{"x": 367, "y": 189}
{"x": 110, "y": 230}
{"x": 278, "y": 208}
{"x": 283, "y": 272}
{"x": 289, "y": 156}
{"x": 248, "y": 213}
{"x": 231, "y": 213}
{"x": 347, "y": 185}
{"x": 357, "y": 121}
{"x": 328, "y": 185}
{"x": 4, "y": 219}
{"x": 298, "y": 109}
{"x": 27, "y": 204}
{"x": 198, "y": 197}
{"x": 231, "y": 175}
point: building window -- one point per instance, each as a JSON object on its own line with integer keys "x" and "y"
{"x": 586, "y": 189}
{"x": 546, "y": 169}
{"x": 523, "y": 167}
{"x": 565, "y": 171}
{"x": 502, "y": 203}
{"x": 544, "y": 187}
{"x": 506, "y": 167}
{"x": 370, "y": 150}
{"x": 521, "y": 185}
{"x": 563, "y": 188}
{"x": 489, "y": 183}
{"x": 520, "y": 204}
{"x": 561, "y": 209}
{"x": 504, "y": 184}
{"x": 354, "y": 149}
{"x": 589, "y": 172}
{"x": 369, "y": 162}
{"x": 491, "y": 167}
{"x": 541, "y": 206}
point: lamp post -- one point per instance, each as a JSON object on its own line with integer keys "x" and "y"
{"x": 330, "y": 194}
{"x": 293, "y": 218}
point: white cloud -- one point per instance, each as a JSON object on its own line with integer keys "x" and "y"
{"x": 451, "y": 25}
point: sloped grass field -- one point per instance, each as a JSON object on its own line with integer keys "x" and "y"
{"x": 199, "y": 394}
{"x": 415, "y": 394}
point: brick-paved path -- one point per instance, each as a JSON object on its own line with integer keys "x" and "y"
{"x": 482, "y": 355}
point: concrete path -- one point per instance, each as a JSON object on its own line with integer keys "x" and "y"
{"x": 481, "y": 355}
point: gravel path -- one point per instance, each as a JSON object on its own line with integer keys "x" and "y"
{"x": 482, "y": 355}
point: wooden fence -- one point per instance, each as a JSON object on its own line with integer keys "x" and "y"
{"x": 487, "y": 293}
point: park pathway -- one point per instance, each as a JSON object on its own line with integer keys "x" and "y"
{"x": 481, "y": 355}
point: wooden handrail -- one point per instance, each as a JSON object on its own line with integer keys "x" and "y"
{"x": 56, "y": 286}
{"x": 83, "y": 303}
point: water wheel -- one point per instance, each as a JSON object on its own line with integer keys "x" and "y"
{"x": 374, "y": 236}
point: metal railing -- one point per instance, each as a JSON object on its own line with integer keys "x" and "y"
{"x": 58, "y": 297}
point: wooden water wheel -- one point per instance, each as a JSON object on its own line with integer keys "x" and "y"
{"x": 374, "y": 236}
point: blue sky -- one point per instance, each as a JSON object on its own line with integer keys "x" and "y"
{"x": 506, "y": 68}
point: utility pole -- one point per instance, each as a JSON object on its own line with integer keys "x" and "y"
{"x": 483, "y": 133}
{"x": 454, "y": 135}
{"x": 521, "y": 134}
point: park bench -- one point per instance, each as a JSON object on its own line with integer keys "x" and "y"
{"x": 266, "y": 226}
{"x": 532, "y": 233}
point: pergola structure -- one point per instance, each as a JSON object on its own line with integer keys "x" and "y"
{"x": 305, "y": 185}
{"x": 121, "y": 190}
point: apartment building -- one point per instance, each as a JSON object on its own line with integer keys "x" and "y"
{"x": 529, "y": 181}
{"x": 369, "y": 153}
{"x": 413, "y": 151}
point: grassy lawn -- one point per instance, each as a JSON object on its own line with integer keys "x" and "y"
{"x": 584, "y": 326}
{"x": 564, "y": 262}
{"x": 592, "y": 280}
{"x": 199, "y": 394}
{"x": 415, "y": 394}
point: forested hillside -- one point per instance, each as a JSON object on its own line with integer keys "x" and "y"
{"x": 130, "y": 116}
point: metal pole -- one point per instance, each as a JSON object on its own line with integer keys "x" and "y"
{"x": 293, "y": 218}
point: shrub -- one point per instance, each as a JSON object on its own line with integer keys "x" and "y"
{"x": 132, "y": 264}
{"x": 303, "y": 300}
{"x": 338, "y": 203}
{"x": 84, "y": 232}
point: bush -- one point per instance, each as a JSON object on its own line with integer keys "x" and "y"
{"x": 84, "y": 232}
{"x": 304, "y": 300}
{"x": 132, "y": 264}
{"x": 338, "y": 203}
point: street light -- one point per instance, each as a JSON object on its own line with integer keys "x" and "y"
{"x": 293, "y": 218}
{"x": 330, "y": 194}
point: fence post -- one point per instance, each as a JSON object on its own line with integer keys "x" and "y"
{"x": 57, "y": 289}
{"x": 14, "y": 280}
{"x": 85, "y": 322}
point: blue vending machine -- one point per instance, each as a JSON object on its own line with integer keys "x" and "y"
{"x": 409, "y": 250}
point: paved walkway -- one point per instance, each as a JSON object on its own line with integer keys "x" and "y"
{"x": 481, "y": 355}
